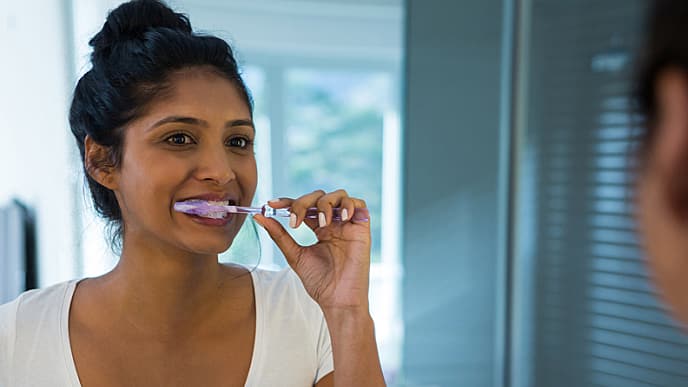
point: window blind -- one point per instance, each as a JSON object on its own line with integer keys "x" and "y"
{"x": 597, "y": 319}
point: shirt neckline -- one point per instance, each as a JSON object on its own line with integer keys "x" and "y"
{"x": 73, "y": 376}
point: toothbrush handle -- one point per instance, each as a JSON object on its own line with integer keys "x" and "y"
{"x": 360, "y": 214}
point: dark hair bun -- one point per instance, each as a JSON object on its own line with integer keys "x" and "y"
{"x": 140, "y": 45}
{"x": 130, "y": 21}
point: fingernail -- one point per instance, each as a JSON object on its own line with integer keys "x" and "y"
{"x": 321, "y": 219}
{"x": 345, "y": 215}
{"x": 273, "y": 201}
{"x": 292, "y": 220}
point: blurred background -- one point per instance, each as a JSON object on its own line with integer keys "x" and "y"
{"x": 490, "y": 138}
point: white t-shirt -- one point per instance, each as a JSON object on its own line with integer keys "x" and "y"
{"x": 292, "y": 344}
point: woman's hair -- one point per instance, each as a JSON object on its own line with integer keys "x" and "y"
{"x": 141, "y": 44}
{"x": 666, "y": 47}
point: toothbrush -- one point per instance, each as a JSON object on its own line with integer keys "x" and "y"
{"x": 204, "y": 208}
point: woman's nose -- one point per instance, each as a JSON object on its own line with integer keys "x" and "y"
{"x": 215, "y": 166}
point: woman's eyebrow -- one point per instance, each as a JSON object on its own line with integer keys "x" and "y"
{"x": 180, "y": 120}
{"x": 240, "y": 122}
{"x": 199, "y": 122}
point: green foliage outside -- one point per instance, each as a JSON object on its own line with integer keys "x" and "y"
{"x": 334, "y": 136}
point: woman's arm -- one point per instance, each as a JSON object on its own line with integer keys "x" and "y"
{"x": 356, "y": 360}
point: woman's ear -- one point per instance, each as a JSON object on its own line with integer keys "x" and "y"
{"x": 99, "y": 164}
{"x": 669, "y": 153}
{"x": 671, "y": 94}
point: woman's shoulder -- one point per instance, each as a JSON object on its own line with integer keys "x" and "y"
{"x": 283, "y": 289}
{"x": 278, "y": 282}
{"x": 32, "y": 305}
{"x": 43, "y": 296}
{"x": 35, "y": 310}
{"x": 281, "y": 277}
{"x": 292, "y": 325}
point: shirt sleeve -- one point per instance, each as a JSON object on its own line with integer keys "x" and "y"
{"x": 8, "y": 317}
{"x": 325, "y": 360}
{"x": 317, "y": 331}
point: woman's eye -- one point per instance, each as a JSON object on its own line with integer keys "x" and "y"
{"x": 179, "y": 139}
{"x": 239, "y": 142}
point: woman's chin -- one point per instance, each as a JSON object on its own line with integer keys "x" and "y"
{"x": 207, "y": 246}
{"x": 206, "y": 240}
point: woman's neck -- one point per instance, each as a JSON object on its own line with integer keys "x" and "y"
{"x": 162, "y": 291}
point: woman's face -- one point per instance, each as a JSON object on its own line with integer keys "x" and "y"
{"x": 194, "y": 143}
{"x": 664, "y": 232}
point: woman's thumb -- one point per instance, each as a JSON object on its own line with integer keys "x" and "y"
{"x": 283, "y": 240}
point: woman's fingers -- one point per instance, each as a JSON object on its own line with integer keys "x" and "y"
{"x": 325, "y": 204}
{"x": 283, "y": 240}
{"x": 316, "y": 209}
{"x": 347, "y": 207}
{"x": 280, "y": 202}
{"x": 283, "y": 203}
{"x": 300, "y": 206}
{"x": 360, "y": 213}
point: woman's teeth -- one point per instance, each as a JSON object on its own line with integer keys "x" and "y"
{"x": 214, "y": 215}
{"x": 209, "y": 213}
{"x": 216, "y": 203}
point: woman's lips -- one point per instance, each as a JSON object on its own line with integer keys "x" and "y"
{"x": 211, "y": 221}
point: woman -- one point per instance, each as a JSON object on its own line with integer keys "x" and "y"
{"x": 663, "y": 182}
{"x": 162, "y": 117}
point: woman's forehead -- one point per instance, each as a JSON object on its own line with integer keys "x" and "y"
{"x": 202, "y": 96}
